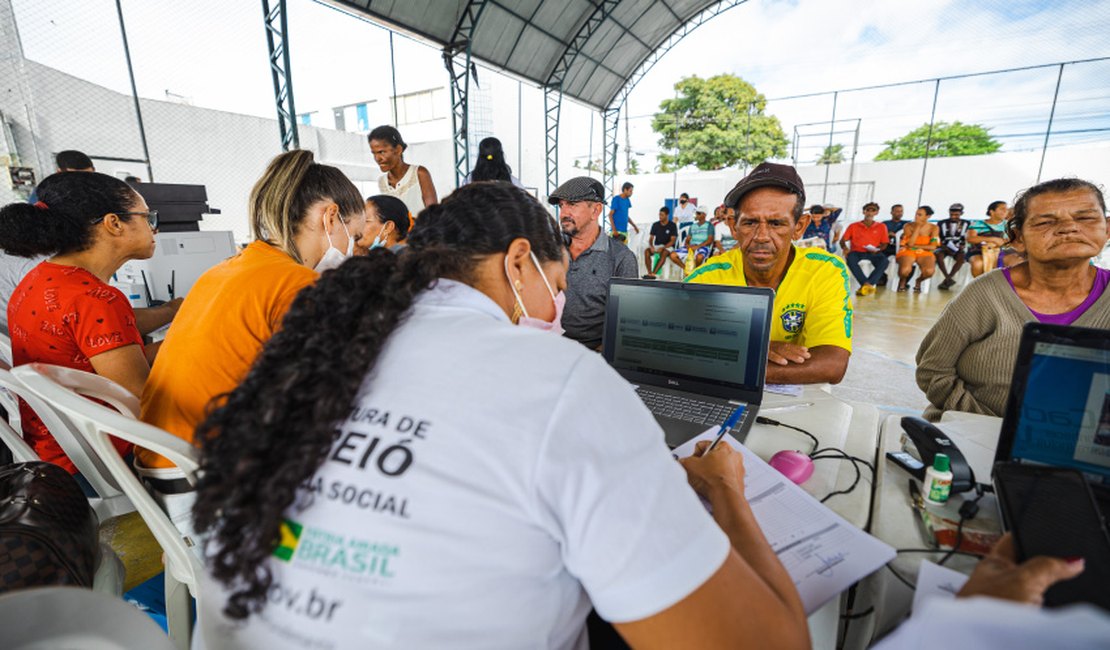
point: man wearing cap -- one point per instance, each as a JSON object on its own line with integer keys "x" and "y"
{"x": 953, "y": 244}
{"x": 593, "y": 259}
{"x": 699, "y": 241}
{"x": 811, "y": 327}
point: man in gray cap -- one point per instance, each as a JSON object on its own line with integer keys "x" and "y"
{"x": 593, "y": 259}
{"x": 953, "y": 244}
{"x": 811, "y": 326}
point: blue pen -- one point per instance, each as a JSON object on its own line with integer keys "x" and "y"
{"x": 726, "y": 425}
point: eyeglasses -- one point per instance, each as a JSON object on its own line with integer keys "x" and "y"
{"x": 151, "y": 217}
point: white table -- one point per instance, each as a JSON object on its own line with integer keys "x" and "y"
{"x": 898, "y": 524}
{"x": 852, "y": 428}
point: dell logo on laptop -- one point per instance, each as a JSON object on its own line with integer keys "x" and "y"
{"x": 672, "y": 382}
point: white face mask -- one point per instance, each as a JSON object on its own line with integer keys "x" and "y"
{"x": 333, "y": 257}
{"x": 380, "y": 239}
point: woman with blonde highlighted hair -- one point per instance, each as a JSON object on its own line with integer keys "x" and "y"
{"x": 305, "y": 218}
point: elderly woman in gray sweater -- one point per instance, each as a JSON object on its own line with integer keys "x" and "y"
{"x": 967, "y": 359}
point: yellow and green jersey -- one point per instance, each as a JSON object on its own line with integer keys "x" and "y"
{"x": 813, "y": 304}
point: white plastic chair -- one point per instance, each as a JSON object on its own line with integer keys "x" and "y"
{"x": 111, "y": 500}
{"x": 71, "y": 617}
{"x": 63, "y": 387}
{"x": 5, "y": 349}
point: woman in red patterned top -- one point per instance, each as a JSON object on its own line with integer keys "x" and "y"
{"x": 64, "y": 312}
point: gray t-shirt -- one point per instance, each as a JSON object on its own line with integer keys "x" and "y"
{"x": 588, "y": 288}
{"x": 12, "y": 271}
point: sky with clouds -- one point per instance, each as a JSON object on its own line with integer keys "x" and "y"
{"x": 214, "y": 53}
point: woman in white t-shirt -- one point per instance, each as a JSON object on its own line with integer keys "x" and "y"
{"x": 418, "y": 460}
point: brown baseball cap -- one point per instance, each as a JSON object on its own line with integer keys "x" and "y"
{"x": 767, "y": 175}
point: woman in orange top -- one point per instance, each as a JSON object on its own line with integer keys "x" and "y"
{"x": 919, "y": 240}
{"x": 305, "y": 218}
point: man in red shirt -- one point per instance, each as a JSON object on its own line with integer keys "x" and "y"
{"x": 867, "y": 239}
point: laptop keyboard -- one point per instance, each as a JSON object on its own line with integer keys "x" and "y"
{"x": 689, "y": 409}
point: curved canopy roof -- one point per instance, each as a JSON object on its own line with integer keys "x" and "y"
{"x": 597, "y": 46}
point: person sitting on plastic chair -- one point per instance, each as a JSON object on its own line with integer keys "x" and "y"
{"x": 699, "y": 239}
{"x": 664, "y": 234}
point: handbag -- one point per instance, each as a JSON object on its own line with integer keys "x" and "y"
{"x": 48, "y": 530}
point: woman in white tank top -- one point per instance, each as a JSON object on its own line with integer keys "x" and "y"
{"x": 410, "y": 183}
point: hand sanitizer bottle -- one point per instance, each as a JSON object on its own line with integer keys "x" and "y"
{"x": 938, "y": 481}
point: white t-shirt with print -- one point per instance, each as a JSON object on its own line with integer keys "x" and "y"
{"x": 535, "y": 483}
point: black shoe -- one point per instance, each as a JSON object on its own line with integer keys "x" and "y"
{"x": 648, "y": 277}
{"x": 881, "y": 282}
{"x": 946, "y": 285}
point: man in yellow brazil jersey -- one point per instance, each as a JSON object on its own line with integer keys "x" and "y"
{"x": 811, "y": 328}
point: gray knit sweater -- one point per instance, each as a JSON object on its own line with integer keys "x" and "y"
{"x": 967, "y": 359}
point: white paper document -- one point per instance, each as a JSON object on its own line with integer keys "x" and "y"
{"x": 936, "y": 581}
{"x": 822, "y": 552}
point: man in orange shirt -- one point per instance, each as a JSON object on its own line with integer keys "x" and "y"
{"x": 867, "y": 239}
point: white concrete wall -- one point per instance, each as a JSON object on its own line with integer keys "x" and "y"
{"x": 974, "y": 181}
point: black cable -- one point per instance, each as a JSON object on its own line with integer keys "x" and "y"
{"x": 775, "y": 423}
{"x": 909, "y": 584}
{"x": 968, "y": 510}
{"x": 817, "y": 452}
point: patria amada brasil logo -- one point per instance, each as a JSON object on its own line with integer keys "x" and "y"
{"x": 290, "y": 538}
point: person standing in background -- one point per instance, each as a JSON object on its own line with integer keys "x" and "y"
{"x": 410, "y": 183}
{"x": 491, "y": 165}
{"x": 619, "y": 219}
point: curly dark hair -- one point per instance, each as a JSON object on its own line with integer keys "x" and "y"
{"x": 63, "y": 221}
{"x": 1054, "y": 186}
{"x": 270, "y": 435}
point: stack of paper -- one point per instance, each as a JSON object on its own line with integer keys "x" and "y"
{"x": 822, "y": 552}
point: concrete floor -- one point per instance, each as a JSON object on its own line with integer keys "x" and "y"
{"x": 889, "y": 327}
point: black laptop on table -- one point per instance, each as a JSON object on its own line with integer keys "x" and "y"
{"x": 1058, "y": 412}
{"x": 694, "y": 352}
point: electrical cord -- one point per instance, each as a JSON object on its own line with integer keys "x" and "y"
{"x": 968, "y": 510}
{"x": 775, "y": 423}
{"x": 824, "y": 453}
{"x": 901, "y": 579}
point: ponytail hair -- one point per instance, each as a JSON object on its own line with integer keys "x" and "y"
{"x": 70, "y": 206}
{"x": 292, "y": 183}
{"x": 269, "y": 436}
{"x": 491, "y": 163}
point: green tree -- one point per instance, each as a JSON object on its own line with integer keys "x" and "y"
{"x": 832, "y": 155}
{"x": 708, "y": 125}
{"x": 633, "y": 167}
{"x": 955, "y": 139}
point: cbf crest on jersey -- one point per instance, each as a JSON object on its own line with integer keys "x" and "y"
{"x": 793, "y": 317}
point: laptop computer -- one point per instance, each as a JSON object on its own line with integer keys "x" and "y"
{"x": 1058, "y": 412}
{"x": 694, "y": 352}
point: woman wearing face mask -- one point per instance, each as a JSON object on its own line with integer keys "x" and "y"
{"x": 304, "y": 217}
{"x": 387, "y": 225}
{"x": 485, "y": 483}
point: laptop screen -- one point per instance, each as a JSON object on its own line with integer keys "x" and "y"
{"x": 1064, "y": 418}
{"x": 709, "y": 335}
